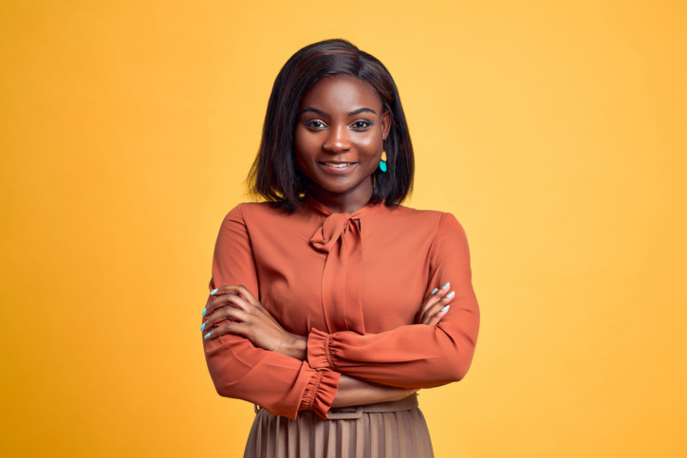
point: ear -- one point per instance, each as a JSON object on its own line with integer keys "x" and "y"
{"x": 386, "y": 124}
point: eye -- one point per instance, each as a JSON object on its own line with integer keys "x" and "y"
{"x": 361, "y": 125}
{"x": 315, "y": 124}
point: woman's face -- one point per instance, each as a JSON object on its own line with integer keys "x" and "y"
{"x": 339, "y": 138}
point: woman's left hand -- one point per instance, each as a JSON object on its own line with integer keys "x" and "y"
{"x": 435, "y": 306}
{"x": 248, "y": 318}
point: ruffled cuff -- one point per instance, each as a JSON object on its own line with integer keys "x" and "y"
{"x": 320, "y": 392}
{"x": 318, "y": 350}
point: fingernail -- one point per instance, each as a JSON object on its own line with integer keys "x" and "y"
{"x": 446, "y": 285}
{"x": 213, "y": 291}
{"x": 434, "y": 291}
{"x": 202, "y": 328}
{"x": 204, "y": 310}
{"x": 207, "y": 335}
{"x": 451, "y": 294}
{"x": 445, "y": 309}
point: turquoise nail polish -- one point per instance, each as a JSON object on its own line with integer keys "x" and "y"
{"x": 202, "y": 328}
{"x": 204, "y": 310}
{"x": 446, "y": 285}
{"x": 207, "y": 335}
{"x": 451, "y": 294}
{"x": 434, "y": 291}
{"x": 213, "y": 291}
{"x": 445, "y": 309}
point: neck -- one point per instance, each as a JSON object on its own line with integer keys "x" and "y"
{"x": 349, "y": 202}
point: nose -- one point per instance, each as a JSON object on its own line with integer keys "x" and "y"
{"x": 337, "y": 139}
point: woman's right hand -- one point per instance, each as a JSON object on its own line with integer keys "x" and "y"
{"x": 436, "y": 306}
{"x": 245, "y": 316}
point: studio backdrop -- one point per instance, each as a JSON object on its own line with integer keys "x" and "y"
{"x": 553, "y": 131}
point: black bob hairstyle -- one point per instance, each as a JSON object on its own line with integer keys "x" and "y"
{"x": 276, "y": 177}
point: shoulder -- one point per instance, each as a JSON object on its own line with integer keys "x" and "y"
{"x": 437, "y": 222}
{"x": 254, "y": 211}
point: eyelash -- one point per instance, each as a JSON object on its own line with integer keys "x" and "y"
{"x": 356, "y": 125}
{"x": 312, "y": 123}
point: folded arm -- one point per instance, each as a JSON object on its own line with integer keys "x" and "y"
{"x": 287, "y": 377}
{"x": 242, "y": 315}
{"x": 280, "y": 384}
{"x": 414, "y": 356}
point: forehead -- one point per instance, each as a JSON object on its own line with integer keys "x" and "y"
{"x": 341, "y": 91}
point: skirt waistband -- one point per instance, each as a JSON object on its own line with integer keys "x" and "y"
{"x": 355, "y": 412}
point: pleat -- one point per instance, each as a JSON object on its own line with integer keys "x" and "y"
{"x": 401, "y": 434}
{"x": 375, "y": 435}
{"x": 292, "y": 434}
{"x": 362, "y": 435}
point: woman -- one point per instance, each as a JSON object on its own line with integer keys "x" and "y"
{"x": 331, "y": 303}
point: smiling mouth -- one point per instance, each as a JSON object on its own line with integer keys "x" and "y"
{"x": 337, "y": 168}
{"x": 338, "y": 164}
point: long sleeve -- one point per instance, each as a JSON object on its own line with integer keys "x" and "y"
{"x": 280, "y": 384}
{"x": 414, "y": 356}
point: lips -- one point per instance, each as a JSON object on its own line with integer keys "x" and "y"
{"x": 337, "y": 167}
{"x": 337, "y": 164}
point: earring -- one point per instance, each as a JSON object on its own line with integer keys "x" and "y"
{"x": 382, "y": 163}
{"x": 374, "y": 181}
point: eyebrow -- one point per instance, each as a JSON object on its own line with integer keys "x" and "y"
{"x": 352, "y": 113}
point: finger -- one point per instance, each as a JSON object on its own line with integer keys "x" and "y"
{"x": 437, "y": 293}
{"x": 226, "y": 313}
{"x": 439, "y": 298}
{"x": 429, "y": 303}
{"x": 239, "y": 329}
{"x": 438, "y": 308}
{"x": 424, "y": 319}
{"x": 242, "y": 292}
{"x": 435, "y": 307}
{"x": 434, "y": 291}
{"x": 439, "y": 315}
{"x": 224, "y": 301}
{"x": 216, "y": 303}
{"x": 238, "y": 290}
{"x": 440, "y": 291}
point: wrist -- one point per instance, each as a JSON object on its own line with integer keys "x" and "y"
{"x": 296, "y": 347}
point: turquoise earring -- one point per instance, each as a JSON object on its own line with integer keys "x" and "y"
{"x": 382, "y": 163}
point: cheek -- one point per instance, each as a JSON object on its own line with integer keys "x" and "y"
{"x": 302, "y": 152}
{"x": 298, "y": 140}
{"x": 305, "y": 142}
{"x": 302, "y": 163}
{"x": 371, "y": 144}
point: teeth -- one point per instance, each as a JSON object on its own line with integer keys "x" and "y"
{"x": 332, "y": 164}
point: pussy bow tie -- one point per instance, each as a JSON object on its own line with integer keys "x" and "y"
{"x": 333, "y": 227}
{"x": 341, "y": 278}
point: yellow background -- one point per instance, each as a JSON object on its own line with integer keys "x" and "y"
{"x": 554, "y": 131}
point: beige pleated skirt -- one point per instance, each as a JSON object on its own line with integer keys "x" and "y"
{"x": 384, "y": 430}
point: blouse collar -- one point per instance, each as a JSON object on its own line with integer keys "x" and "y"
{"x": 321, "y": 208}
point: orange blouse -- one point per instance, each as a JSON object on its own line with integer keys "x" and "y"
{"x": 352, "y": 283}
